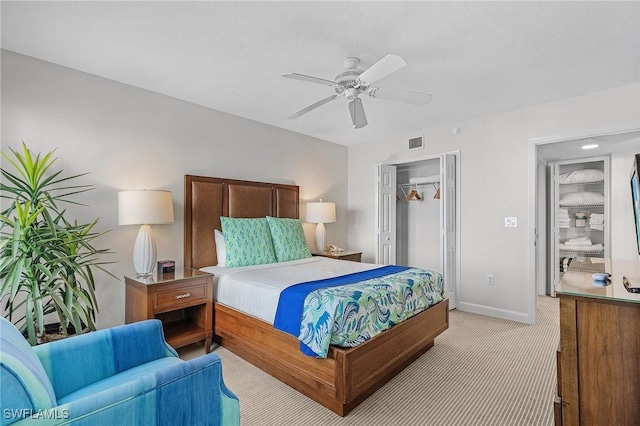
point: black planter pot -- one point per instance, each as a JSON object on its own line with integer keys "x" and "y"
{"x": 52, "y": 332}
{"x": 54, "y": 328}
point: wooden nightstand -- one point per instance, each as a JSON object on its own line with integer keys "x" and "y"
{"x": 354, "y": 256}
{"x": 182, "y": 300}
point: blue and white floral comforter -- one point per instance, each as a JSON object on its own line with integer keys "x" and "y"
{"x": 348, "y": 310}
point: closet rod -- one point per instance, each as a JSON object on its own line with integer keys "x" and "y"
{"x": 418, "y": 184}
{"x": 402, "y": 186}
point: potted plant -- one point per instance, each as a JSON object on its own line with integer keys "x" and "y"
{"x": 46, "y": 261}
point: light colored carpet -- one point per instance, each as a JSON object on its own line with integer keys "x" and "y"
{"x": 482, "y": 371}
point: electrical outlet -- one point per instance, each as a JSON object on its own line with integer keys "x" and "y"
{"x": 491, "y": 280}
{"x": 510, "y": 222}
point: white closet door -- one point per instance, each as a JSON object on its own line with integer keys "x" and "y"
{"x": 554, "y": 231}
{"x": 448, "y": 225}
{"x": 386, "y": 253}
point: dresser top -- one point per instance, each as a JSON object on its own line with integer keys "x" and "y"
{"x": 578, "y": 280}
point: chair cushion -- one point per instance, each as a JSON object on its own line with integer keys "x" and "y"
{"x": 101, "y": 354}
{"x": 121, "y": 378}
{"x": 25, "y": 383}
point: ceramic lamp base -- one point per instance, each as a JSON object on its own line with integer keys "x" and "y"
{"x": 144, "y": 252}
{"x": 321, "y": 238}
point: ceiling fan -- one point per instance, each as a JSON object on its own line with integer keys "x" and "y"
{"x": 353, "y": 82}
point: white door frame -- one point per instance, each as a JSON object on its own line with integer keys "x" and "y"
{"x": 456, "y": 284}
{"x": 531, "y": 293}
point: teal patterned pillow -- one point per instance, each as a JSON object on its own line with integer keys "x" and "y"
{"x": 288, "y": 239}
{"x": 248, "y": 242}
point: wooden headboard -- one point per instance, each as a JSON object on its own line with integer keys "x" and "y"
{"x": 208, "y": 198}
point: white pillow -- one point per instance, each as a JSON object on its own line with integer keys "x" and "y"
{"x": 221, "y": 248}
{"x": 578, "y": 176}
{"x": 581, "y": 198}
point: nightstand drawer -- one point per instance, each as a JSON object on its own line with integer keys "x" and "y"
{"x": 356, "y": 257}
{"x": 183, "y": 296}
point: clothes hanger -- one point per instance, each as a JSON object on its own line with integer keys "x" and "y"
{"x": 414, "y": 195}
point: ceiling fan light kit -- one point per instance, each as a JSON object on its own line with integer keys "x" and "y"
{"x": 353, "y": 82}
{"x": 357, "y": 113}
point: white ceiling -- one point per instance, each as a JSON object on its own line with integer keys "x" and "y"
{"x": 475, "y": 58}
{"x": 572, "y": 149}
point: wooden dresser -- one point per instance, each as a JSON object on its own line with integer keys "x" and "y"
{"x": 599, "y": 355}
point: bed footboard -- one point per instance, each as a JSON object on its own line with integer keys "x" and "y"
{"x": 348, "y": 375}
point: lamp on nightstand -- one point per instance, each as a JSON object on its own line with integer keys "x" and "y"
{"x": 144, "y": 208}
{"x": 321, "y": 213}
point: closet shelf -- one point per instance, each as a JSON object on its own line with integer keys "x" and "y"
{"x": 586, "y": 230}
{"x": 574, "y": 228}
{"x": 581, "y": 206}
{"x": 592, "y": 182}
{"x": 582, "y": 252}
{"x": 578, "y": 269}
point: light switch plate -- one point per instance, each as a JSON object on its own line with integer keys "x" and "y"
{"x": 510, "y": 222}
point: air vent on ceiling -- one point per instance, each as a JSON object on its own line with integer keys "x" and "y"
{"x": 417, "y": 142}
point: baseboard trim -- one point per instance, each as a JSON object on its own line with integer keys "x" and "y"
{"x": 495, "y": 312}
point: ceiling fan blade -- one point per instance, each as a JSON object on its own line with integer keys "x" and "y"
{"x": 313, "y": 106}
{"x": 415, "y": 98}
{"x": 302, "y": 77}
{"x": 358, "y": 117}
{"x": 381, "y": 69}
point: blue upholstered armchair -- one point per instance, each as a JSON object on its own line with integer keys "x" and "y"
{"x": 124, "y": 375}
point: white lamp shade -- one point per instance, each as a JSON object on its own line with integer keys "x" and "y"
{"x": 321, "y": 212}
{"x": 144, "y": 207}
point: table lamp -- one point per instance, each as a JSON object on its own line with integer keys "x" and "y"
{"x": 321, "y": 213}
{"x": 144, "y": 208}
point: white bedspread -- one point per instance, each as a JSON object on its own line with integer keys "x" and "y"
{"x": 255, "y": 290}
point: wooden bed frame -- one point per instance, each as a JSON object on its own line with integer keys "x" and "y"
{"x": 348, "y": 375}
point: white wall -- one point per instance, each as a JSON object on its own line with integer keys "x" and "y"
{"x": 623, "y": 242}
{"x": 494, "y": 184}
{"x": 129, "y": 138}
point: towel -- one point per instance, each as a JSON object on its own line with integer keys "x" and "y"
{"x": 578, "y": 241}
{"x": 595, "y": 247}
{"x": 596, "y": 221}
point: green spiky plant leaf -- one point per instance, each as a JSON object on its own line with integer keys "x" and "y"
{"x": 46, "y": 262}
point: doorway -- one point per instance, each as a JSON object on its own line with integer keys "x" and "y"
{"x": 616, "y": 144}
{"x": 418, "y": 216}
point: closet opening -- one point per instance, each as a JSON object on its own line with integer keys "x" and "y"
{"x": 418, "y": 215}
{"x": 418, "y": 218}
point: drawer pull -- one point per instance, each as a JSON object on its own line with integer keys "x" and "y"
{"x": 183, "y": 296}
